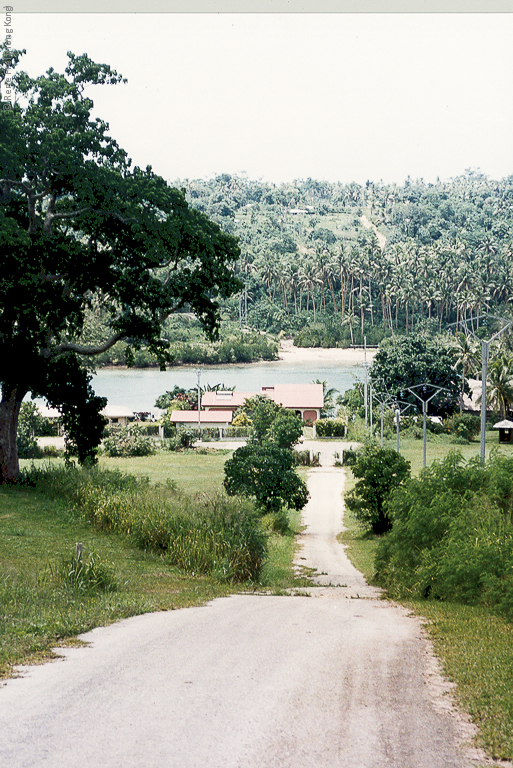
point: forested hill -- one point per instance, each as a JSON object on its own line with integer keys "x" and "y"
{"x": 311, "y": 260}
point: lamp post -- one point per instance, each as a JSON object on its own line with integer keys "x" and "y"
{"x": 198, "y": 371}
{"x": 383, "y": 398}
{"x": 398, "y": 412}
{"x": 365, "y": 379}
{"x": 425, "y": 402}
{"x": 485, "y": 352}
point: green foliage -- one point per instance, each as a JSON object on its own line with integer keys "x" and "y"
{"x": 307, "y": 459}
{"x": 331, "y": 427}
{"x": 265, "y": 468}
{"x": 413, "y": 360}
{"x": 28, "y": 424}
{"x": 198, "y": 534}
{"x": 128, "y": 441}
{"x": 84, "y": 576}
{"x": 98, "y": 241}
{"x": 181, "y": 439}
{"x": 379, "y": 472}
{"x": 464, "y": 425}
{"x": 285, "y": 430}
{"x": 266, "y": 473}
{"x": 262, "y": 412}
{"x": 452, "y": 534}
{"x": 352, "y": 400}
{"x": 178, "y": 399}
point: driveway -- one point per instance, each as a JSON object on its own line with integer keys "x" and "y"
{"x": 340, "y": 678}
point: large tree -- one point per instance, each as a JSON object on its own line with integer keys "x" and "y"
{"x": 83, "y": 230}
{"x": 415, "y": 360}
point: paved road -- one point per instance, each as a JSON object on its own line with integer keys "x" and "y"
{"x": 338, "y": 679}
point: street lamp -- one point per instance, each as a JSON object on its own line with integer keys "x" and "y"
{"x": 425, "y": 401}
{"x": 485, "y": 351}
{"x": 383, "y": 398}
{"x": 198, "y": 371}
{"x": 398, "y": 412}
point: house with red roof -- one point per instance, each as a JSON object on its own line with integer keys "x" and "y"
{"x": 307, "y": 400}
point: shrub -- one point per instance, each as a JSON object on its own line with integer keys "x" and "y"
{"x": 331, "y": 427}
{"x": 198, "y": 534}
{"x": 85, "y": 577}
{"x": 266, "y": 473}
{"x": 181, "y": 439}
{"x": 307, "y": 459}
{"x": 128, "y": 441}
{"x": 452, "y": 535}
{"x": 380, "y": 471}
{"x": 464, "y": 425}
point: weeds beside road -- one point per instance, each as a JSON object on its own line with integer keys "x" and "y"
{"x": 39, "y": 527}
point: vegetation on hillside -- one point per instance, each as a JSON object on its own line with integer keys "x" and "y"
{"x": 310, "y": 253}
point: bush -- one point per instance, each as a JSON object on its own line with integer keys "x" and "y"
{"x": 331, "y": 427}
{"x": 181, "y": 439}
{"x": 199, "y": 534}
{"x": 380, "y": 471}
{"x": 465, "y": 425}
{"x": 85, "y": 577}
{"x": 452, "y": 535}
{"x": 307, "y": 459}
{"x": 128, "y": 441}
{"x": 266, "y": 473}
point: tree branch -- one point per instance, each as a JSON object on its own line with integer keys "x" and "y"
{"x": 81, "y": 350}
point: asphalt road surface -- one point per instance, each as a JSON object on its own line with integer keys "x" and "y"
{"x": 338, "y": 678}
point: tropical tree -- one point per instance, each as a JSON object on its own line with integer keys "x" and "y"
{"x": 467, "y": 358}
{"x": 414, "y": 360}
{"x": 499, "y": 391}
{"x": 79, "y": 226}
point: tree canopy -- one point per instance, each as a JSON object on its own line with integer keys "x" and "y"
{"x": 265, "y": 468}
{"x": 414, "y": 360}
{"x": 83, "y": 230}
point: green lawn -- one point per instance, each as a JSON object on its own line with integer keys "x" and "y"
{"x": 37, "y": 613}
{"x": 439, "y": 446}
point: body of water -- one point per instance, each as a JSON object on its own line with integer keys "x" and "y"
{"x": 138, "y": 389}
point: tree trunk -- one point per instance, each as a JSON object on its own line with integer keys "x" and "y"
{"x": 9, "y": 412}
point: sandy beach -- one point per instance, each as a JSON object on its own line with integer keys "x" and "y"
{"x": 313, "y": 354}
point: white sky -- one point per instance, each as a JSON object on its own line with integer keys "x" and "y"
{"x": 342, "y": 97}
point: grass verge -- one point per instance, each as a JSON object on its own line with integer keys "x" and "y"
{"x": 475, "y": 648}
{"x": 39, "y": 609}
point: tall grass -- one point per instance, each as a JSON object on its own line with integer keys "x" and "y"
{"x": 208, "y": 534}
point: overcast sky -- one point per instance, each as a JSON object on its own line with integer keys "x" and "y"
{"x": 341, "y": 97}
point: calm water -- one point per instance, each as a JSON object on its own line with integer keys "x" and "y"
{"x": 138, "y": 389}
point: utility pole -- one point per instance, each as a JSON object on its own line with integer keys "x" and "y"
{"x": 198, "y": 371}
{"x": 365, "y": 379}
{"x": 485, "y": 353}
{"x": 425, "y": 401}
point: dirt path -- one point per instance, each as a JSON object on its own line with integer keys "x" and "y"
{"x": 369, "y": 225}
{"x": 337, "y": 679}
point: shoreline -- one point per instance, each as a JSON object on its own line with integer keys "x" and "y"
{"x": 286, "y": 353}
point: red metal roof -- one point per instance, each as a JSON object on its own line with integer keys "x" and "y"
{"x": 206, "y": 417}
{"x": 288, "y": 395}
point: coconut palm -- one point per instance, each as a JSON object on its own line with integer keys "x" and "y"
{"x": 499, "y": 393}
{"x": 467, "y": 357}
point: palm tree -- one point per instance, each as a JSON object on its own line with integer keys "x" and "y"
{"x": 329, "y": 397}
{"x": 467, "y": 359}
{"x": 500, "y": 384}
{"x": 309, "y": 280}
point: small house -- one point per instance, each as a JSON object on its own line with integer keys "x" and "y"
{"x": 118, "y": 415}
{"x": 306, "y": 400}
{"x": 203, "y": 419}
{"x": 505, "y": 428}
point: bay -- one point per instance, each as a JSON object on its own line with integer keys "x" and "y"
{"x": 138, "y": 389}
